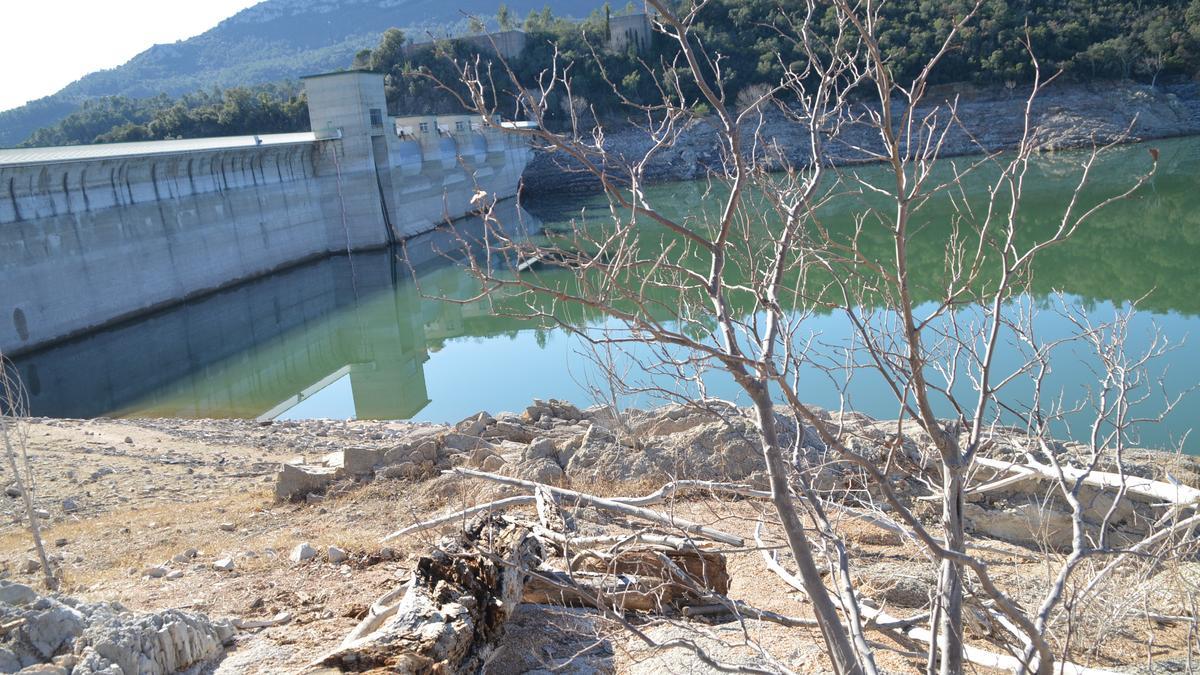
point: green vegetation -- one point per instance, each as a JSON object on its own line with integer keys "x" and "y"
{"x": 240, "y": 110}
{"x": 1142, "y": 40}
{"x": 1146, "y": 40}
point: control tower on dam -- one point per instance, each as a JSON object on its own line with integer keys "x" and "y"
{"x": 91, "y": 235}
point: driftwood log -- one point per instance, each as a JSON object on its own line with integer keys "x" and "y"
{"x": 644, "y": 580}
{"x": 454, "y": 608}
{"x": 705, "y": 568}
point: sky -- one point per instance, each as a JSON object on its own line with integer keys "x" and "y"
{"x": 48, "y": 44}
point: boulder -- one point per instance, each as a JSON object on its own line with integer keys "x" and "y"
{"x": 509, "y": 431}
{"x": 541, "y": 448}
{"x": 44, "y": 669}
{"x": 359, "y": 461}
{"x": 401, "y": 470}
{"x": 493, "y": 463}
{"x": 9, "y": 663}
{"x": 465, "y": 443}
{"x": 50, "y": 625}
{"x": 475, "y": 424}
{"x": 16, "y": 594}
{"x": 541, "y": 470}
{"x": 1030, "y": 524}
{"x": 295, "y": 481}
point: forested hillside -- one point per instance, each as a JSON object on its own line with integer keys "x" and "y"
{"x": 273, "y": 41}
{"x": 1089, "y": 41}
{"x": 1146, "y": 40}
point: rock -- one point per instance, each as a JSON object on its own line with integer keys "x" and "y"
{"x": 185, "y": 556}
{"x": 70, "y": 505}
{"x": 302, "y": 552}
{"x": 16, "y": 594}
{"x": 542, "y": 470}
{"x": 50, "y": 625}
{"x": 294, "y": 481}
{"x": 41, "y": 513}
{"x": 172, "y": 641}
{"x": 157, "y": 571}
{"x": 336, "y": 555}
{"x": 227, "y": 527}
{"x": 1030, "y": 524}
{"x": 60, "y": 542}
{"x": 9, "y": 663}
{"x": 493, "y": 463}
{"x": 129, "y": 440}
{"x": 29, "y": 566}
{"x": 174, "y": 574}
{"x": 541, "y": 448}
{"x": 223, "y": 565}
{"x": 401, "y": 470}
{"x": 359, "y": 461}
{"x": 702, "y": 446}
{"x": 465, "y": 443}
{"x": 12, "y": 491}
{"x": 426, "y": 451}
{"x": 508, "y": 431}
{"x": 44, "y": 669}
{"x": 475, "y": 424}
{"x": 536, "y": 412}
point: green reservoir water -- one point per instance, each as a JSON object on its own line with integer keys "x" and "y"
{"x": 355, "y": 337}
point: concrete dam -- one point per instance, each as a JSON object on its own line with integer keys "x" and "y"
{"x": 91, "y": 235}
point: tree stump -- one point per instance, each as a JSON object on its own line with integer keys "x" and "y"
{"x": 454, "y": 611}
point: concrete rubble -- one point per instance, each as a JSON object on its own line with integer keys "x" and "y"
{"x": 58, "y": 634}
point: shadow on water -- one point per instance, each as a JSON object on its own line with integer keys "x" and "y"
{"x": 354, "y": 323}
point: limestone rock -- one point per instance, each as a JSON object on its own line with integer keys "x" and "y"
{"x": 16, "y": 594}
{"x": 475, "y": 424}
{"x": 1029, "y": 524}
{"x": 493, "y": 463}
{"x": 504, "y": 430}
{"x": 294, "y": 481}
{"x": 9, "y": 663}
{"x": 358, "y": 461}
{"x": 541, "y": 448}
{"x": 157, "y": 571}
{"x": 44, "y": 669}
{"x": 465, "y": 443}
{"x": 302, "y": 552}
{"x": 336, "y": 555}
{"x": 542, "y": 470}
{"x": 223, "y": 565}
{"x": 49, "y": 625}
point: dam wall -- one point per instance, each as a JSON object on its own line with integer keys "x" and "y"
{"x": 93, "y": 235}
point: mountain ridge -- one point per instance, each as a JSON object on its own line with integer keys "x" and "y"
{"x": 272, "y": 41}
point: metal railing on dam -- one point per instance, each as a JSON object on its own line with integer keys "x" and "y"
{"x": 94, "y": 234}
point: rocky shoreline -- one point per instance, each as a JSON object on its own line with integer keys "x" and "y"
{"x": 201, "y": 515}
{"x": 1069, "y": 115}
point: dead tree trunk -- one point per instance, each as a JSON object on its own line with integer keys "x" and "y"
{"x": 455, "y": 608}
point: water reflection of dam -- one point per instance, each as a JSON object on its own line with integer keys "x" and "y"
{"x": 263, "y": 347}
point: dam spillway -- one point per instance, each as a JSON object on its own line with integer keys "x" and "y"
{"x": 91, "y": 235}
